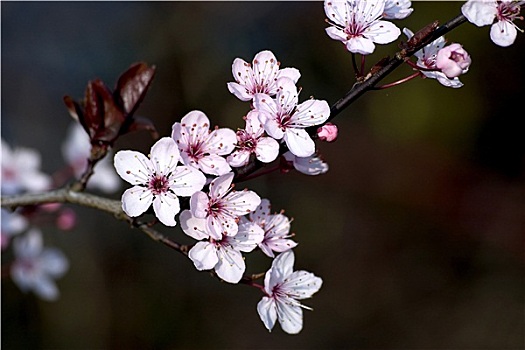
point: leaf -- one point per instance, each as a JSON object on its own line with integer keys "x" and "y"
{"x": 113, "y": 116}
{"x": 141, "y": 123}
{"x": 93, "y": 117}
{"x": 132, "y": 86}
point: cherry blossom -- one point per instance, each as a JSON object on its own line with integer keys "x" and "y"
{"x": 358, "y": 24}
{"x": 453, "y": 60}
{"x": 251, "y": 140}
{"x": 35, "y": 267}
{"x": 157, "y": 180}
{"x": 21, "y": 171}
{"x": 397, "y": 9}
{"x": 200, "y": 148}
{"x": 259, "y": 77}
{"x": 223, "y": 207}
{"x": 284, "y": 119}
{"x": 499, "y": 14}
{"x": 313, "y": 165}
{"x": 283, "y": 288}
{"x": 426, "y": 59}
{"x": 276, "y": 229}
{"x": 76, "y": 151}
{"x": 224, "y": 255}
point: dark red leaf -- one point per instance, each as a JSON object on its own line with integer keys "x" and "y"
{"x": 132, "y": 86}
{"x": 141, "y": 123}
{"x": 93, "y": 107}
{"x": 113, "y": 116}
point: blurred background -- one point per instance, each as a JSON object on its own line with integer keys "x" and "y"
{"x": 417, "y": 229}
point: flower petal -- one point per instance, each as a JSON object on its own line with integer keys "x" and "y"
{"x": 290, "y": 316}
{"x": 481, "y": 13}
{"x": 136, "y": 200}
{"x": 221, "y": 185}
{"x": 302, "y": 284}
{"x": 133, "y": 167}
{"x": 231, "y": 265}
{"x": 267, "y": 311}
{"x": 214, "y": 164}
{"x": 310, "y": 112}
{"x": 185, "y": 181}
{"x": 503, "y": 33}
{"x": 199, "y": 202}
{"x": 383, "y": 32}
{"x": 204, "y": 255}
{"x": 166, "y": 206}
{"x": 360, "y": 45}
{"x": 299, "y": 142}
{"x": 193, "y": 226}
{"x": 164, "y": 155}
{"x": 267, "y": 149}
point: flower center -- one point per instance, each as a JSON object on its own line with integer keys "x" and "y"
{"x": 246, "y": 141}
{"x": 508, "y": 11}
{"x": 158, "y": 184}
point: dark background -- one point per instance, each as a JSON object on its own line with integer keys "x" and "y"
{"x": 417, "y": 229}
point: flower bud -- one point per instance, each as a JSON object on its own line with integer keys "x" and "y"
{"x": 453, "y": 60}
{"x": 327, "y": 132}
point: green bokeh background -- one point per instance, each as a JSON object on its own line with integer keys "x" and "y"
{"x": 417, "y": 229}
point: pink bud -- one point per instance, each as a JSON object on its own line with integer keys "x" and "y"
{"x": 327, "y": 132}
{"x": 453, "y": 60}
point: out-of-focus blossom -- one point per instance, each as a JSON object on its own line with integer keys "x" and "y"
{"x": 284, "y": 288}
{"x": 426, "y": 59}
{"x": 76, "y": 150}
{"x": 259, "y": 77}
{"x": 313, "y": 165}
{"x": 157, "y": 180}
{"x": 21, "y": 171}
{"x": 327, "y": 132}
{"x": 284, "y": 118}
{"x": 200, "y": 148}
{"x": 35, "y": 268}
{"x": 276, "y": 229}
{"x": 223, "y": 206}
{"x": 358, "y": 25}
{"x": 499, "y": 14}
{"x": 397, "y": 9}
{"x": 12, "y": 224}
{"x": 453, "y": 60}
{"x": 251, "y": 140}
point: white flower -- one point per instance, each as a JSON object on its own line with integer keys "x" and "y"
{"x": 21, "y": 171}
{"x": 157, "y": 180}
{"x": 397, "y": 9}
{"x": 313, "y": 165}
{"x": 453, "y": 60}
{"x": 223, "y": 207}
{"x": 499, "y": 14}
{"x": 284, "y": 119}
{"x": 12, "y": 224}
{"x": 276, "y": 229}
{"x": 251, "y": 140}
{"x": 36, "y": 267}
{"x": 76, "y": 151}
{"x": 223, "y": 255}
{"x": 358, "y": 24}
{"x": 426, "y": 59}
{"x": 201, "y": 148}
{"x": 260, "y": 76}
{"x": 283, "y": 288}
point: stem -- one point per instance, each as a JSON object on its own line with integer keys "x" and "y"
{"x": 398, "y": 82}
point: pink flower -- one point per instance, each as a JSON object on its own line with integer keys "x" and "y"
{"x": 276, "y": 229}
{"x": 453, "y": 60}
{"x": 200, "y": 148}
{"x": 223, "y": 207}
{"x": 36, "y": 267}
{"x": 358, "y": 24}
{"x": 499, "y": 14}
{"x": 327, "y": 132}
{"x": 284, "y": 288}
{"x": 12, "y": 224}
{"x": 223, "y": 255}
{"x": 251, "y": 141}
{"x": 157, "y": 180}
{"x": 284, "y": 118}
{"x": 259, "y": 77}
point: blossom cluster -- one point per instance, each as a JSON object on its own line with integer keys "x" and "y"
{"x": 199, "y": 162}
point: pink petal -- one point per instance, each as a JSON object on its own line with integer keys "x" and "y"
{"x": 204, "y": 256}
{"x": 231, "y": 265}
{"x": 166, "y": 206}
{"x": 185, "y": 181}
{"x": 192, "y": 226}
{"x": 267, "y": 311}
{"x": 199, "y": 203}
{"x": 220, "y": 185}
{"x": 214, "y": 164}
{"x": 221, "y": 141}
{"x": 164, "y": 155}
{"x": 133, "y": 167}
{"x": 239, "y": 91}
{"x": 299, "y": 142}
{"x": 267, "y": 149}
